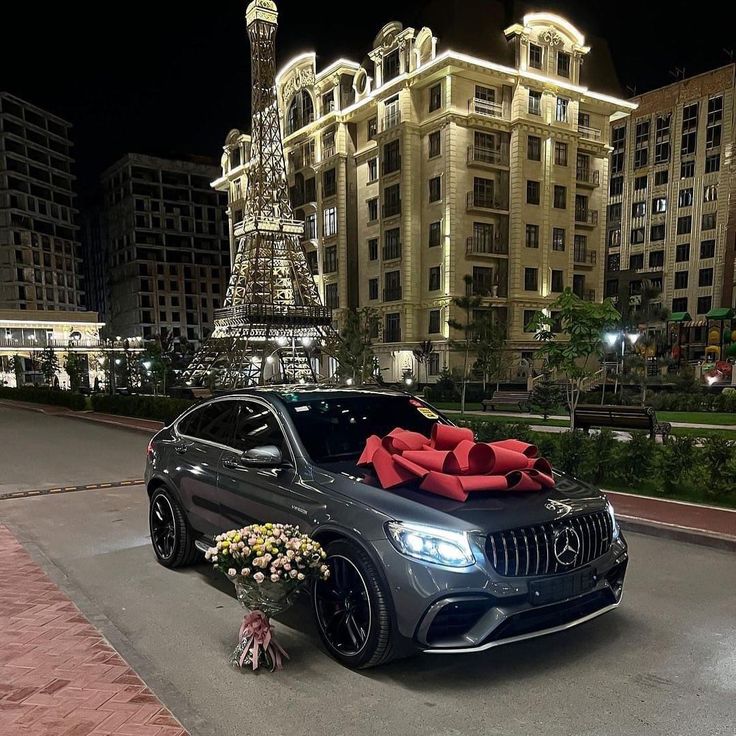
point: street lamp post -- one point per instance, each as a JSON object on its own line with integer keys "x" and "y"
{"x": 612, "y": 338}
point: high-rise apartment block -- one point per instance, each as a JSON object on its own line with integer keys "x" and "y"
{"x": 672, "y": 211}
{"x": 424, "y": 164}
{"x": 162, "y": 240}
{"x": 40, "y": 262}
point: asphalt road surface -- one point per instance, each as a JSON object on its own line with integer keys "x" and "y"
{"x": 663, "y": 663}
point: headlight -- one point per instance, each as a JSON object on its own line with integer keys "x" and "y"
{"x": 440, "y": 546}
{"x": 614, "y": 523}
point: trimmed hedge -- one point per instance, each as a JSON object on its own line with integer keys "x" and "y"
{"x": 473, "y": 394}
{"x": 678, "y": 468}
{"x": 724, "y": 401}
{"x": 161, "y": 408}
{"x": 38, "y": 395}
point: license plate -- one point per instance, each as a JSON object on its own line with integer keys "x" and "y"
{"x": 561, "y": 587}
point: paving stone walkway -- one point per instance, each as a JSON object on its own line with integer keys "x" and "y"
{"x": 58, "y": 675}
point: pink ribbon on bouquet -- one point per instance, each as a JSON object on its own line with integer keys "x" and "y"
{"x": 453, "y": 465}
{"x": 260, "y": 640}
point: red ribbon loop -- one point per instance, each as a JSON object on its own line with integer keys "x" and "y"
{"x": 451, "y": 464}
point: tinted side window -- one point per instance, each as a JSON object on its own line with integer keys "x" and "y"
{"x": 257, "y": 426}
{"x": 214, "y": 422}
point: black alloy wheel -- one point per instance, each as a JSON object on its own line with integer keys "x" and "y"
{"x": 172, "y": 540}
{"x": 351, "y": 608}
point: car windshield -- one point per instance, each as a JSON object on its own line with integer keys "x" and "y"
{"x": 334, "y": 429}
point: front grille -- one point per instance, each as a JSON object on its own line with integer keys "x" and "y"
{"x": 530, "y": 550}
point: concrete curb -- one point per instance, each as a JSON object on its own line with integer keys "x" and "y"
{"x": 678, "y": 533}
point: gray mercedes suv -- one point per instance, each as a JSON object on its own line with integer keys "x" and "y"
{"x": 410, "y": 570}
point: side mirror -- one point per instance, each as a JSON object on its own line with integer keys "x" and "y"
{"x": 267, "y": 456}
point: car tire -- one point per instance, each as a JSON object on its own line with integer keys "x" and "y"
{"x": 171, "y": 538}
{"x": 353, "y": 573}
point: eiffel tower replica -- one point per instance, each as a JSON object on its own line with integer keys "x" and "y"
{"x": 272, "y": 321}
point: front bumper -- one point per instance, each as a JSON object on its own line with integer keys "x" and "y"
{"x": 450, "y": 611}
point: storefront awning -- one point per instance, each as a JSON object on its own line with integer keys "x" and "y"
{"x": 679, "y": 317}
{"x": 720, "y": 313}
{"x": 695, "y": 323}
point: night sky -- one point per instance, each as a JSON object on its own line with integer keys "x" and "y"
{"x": 166, "y": 77}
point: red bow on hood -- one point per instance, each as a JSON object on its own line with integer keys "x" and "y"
{"x": 451, "y": 464}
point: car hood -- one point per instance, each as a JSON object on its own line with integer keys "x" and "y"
{"x": 485, "y": 512}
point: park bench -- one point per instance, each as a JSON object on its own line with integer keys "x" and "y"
{"x": 508, "y": 398}
{"x": 621, "y": 417}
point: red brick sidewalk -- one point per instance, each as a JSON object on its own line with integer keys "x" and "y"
{"x": 58, "y": 674}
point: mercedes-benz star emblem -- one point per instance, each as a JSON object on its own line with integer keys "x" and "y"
{"x": 566, "y": 545}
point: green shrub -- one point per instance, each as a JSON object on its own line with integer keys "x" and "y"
{"x": 600, "y": 457}
{"x": 635, "y": 459}
{"x": 493, "y": 431}
{"x": 675, "y": 461}
{"x": 572, "y": 451}
{"x": 719, "y": 459}
{"x": 161, "y": 408}
{"x": 36, "y": 395}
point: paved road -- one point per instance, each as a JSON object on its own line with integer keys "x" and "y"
{"x": 664, "y": 663}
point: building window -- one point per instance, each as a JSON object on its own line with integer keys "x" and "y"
{"x": 532, "y": 192}
{"x": 560, "y": 153}
{"x": 435, "y": 189}
{"x": 681, "y": 279}
{"x": 435, "y": 97}
{"x": 637, "y": 235}
{"x": 535, "y": 102}
{"x": 614, "y": 212}
{"x": 483, "y": 190}
{"x": 329, "y": 183}
{"x": 662, "y": 138}
{"x": 532, "y": 236}
{"x": 328, "y": 102}
{"x": 391, "y": 157}
{"x": 560, "y": 197}
{"x": 372, "y": 289}
{"x": 373, "y": 209}
{"x": 329, "y": 222}
{"x": 685, "y": 197}
{"x": 482, "y": 281}
{"x": 392, "y": 330}
{"x": 613, "y": 262}
{"x": 332, "y": 300}
{"x": 708, "y": 221}
{"x": 640, "y": 183}
{"x": 392, "y": 244}
{"x": 434, "y": 278}
{"x": 712, "y": 163}
{"x": 312, "y": 264}
{"x": 713, "y": 124}
{"x": 639, "y": 209}
{"x": 661, "y": 177}
{"x": 561, "y": 109}
{"x": 616, "y": 186}
{"x": 689, "y": 129}
{"x": 372, "y": 128}
{"x": 679, "y": 304}
{"x": 434, "y": 321}
{"x": 310, "y": 226}
{"x": 373, "y": 249}
{"x": 373, "y": 169}
{"x": 705, "y": 277}
{"x": 435, "y": 232}
{"x": 636, "y": 262}
{"x": 708, "y": 249}
{"x": 656, "y": 259}
{"x": 687, "y": 169}
{"x": 657, "y": 233}
{"x": 486, "y": 94}
{"x": 392, "y": 286}
{"x": 618, "y": 141}
{"x": 557, "y": 281}
{"x": 534, "y": 148}
{"x": 433, "y": 364}
{"x": 434, "y": 144}
{"x": 535, "y": 56}
{"x": 392, "y": 201}
{"x": 684, "y": 225}
{"x": 704, "y": 304}
{"x": 330, "y": 259}
{"x": 558, "y": 238}
{"x": 391, "y": 66}
{"x": 682, "y": 252}
{"x": 659, "y": 205}
{"x": 710, "y": 193}
{"x": 563, "y": 64}
{"x": 531, "y": 281}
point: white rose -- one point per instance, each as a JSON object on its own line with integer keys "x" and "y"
{"x": 259, "y": 577}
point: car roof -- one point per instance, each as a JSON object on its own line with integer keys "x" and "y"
{"x": 305, "y": 392}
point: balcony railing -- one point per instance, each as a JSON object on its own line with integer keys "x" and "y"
{"x": 592, "y": 134}
{"x": 328, "y": 151}
{"x": 391, "y": 118}
{"x": 41, "y": 343}
{"x": 294, "y": 124}
{"x": 486, "y": 246}
{"x": 392, "y": 294}
{"x": 493, "y": 156}
{"x": 586, "y": 217}
{"x": 586, "y": 176}
{"x": 477, "y": 200}
{"x": 392, "y": 335}
{"x": 495, "y": 289}
{"x": 486, "y": 108}
{"x": 391, "y": 165}
{"x": 391, "y": 252}
{"x": 583, "y": 255}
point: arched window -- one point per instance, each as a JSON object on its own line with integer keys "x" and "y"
{"x": 301, "y": 111}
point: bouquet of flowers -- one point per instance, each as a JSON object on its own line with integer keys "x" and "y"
{"x": 268, "y": 564}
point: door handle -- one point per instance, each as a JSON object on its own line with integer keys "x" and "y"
{"x": 181, "y": 449}
{"x": 229, "y": 463}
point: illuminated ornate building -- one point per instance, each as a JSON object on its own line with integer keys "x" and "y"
{"x": 425, "y": 163}
{"x": 671, "y": 212}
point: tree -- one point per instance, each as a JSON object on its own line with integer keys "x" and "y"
{"x": 422, "y": 354}
{"x": 582, "y": 325}
{"x": 468, "y": 304}
{"x": 354, "y": 348}
{"x": 74, "y": 367}
{"x": 546, "y": 396}
{"x": 49, "y": 364}
{"x": 491, "y": 360}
